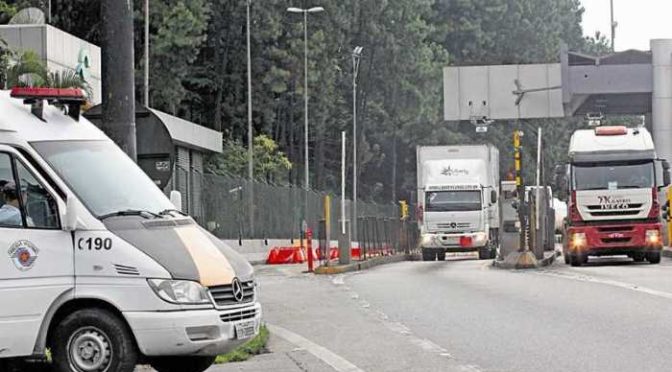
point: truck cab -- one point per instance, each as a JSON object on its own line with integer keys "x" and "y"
{"x": 459, "y": 206}
{"x": 612, "y": 190}
{"x": 100, "y": 266}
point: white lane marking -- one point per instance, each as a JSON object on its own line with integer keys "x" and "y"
{"x": 337, "y": 362}
{"x": 613, "y": 283}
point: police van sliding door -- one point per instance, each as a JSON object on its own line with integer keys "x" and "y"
{"x": 36, "y": 254}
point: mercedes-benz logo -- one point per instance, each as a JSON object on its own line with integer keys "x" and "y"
{"x": 238, "y": 292}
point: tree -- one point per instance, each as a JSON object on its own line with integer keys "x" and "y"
{"x": 270, "y": 164}
{"x": 179, "y": 29}
{"x": 7, "y": 11}
{"x": 597, "y": 45}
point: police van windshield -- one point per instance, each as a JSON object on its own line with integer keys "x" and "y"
{"x": 103, "y": 177}
{"x": 613, "y": 176}
{"x": 453, "y": 201}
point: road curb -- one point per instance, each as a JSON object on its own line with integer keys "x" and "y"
{"x": 522, "y": 261}
{"x": 667, "y": 253}
{"x": 372, "y": 262}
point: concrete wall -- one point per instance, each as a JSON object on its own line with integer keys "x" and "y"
{"x": 59, "y": 50}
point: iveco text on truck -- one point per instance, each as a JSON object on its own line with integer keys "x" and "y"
{"x": 458, "y": 200}
{"x": 613, "y": 203}
{"x": 96, "y": 262}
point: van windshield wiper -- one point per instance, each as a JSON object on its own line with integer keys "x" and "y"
{"x": 131, "y": 212}
{"x": 169, "y": 211}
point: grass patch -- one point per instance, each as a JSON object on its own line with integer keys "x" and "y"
{"x": 255, "y": 346}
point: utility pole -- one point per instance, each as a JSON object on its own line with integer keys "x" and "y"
{"x": 356, "y": 57}
{"x": 118, "y": 111}
{"x": 250, "y": 130}
{"x": 613, "y": 25}
{"x": 306, "y": 181}
{"x": 146, "y": 83}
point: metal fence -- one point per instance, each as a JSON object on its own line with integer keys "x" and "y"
{"x": 380, "y": 236}
{"x": 276, "y": 212}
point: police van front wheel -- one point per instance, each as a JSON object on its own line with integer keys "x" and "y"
{"x": 93, "y": 340}
{"x": 182, "y": 364}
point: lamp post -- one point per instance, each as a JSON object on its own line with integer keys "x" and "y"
{"x": 306, "y": 182}
{"x": 356, "y": 57}
{"x": 250, "y": 133}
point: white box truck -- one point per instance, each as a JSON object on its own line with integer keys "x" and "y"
{"x": 96, "y": 262}
{"x": 458, "y": 200}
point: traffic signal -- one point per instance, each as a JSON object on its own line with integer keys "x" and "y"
{"x": 403, "y": 205}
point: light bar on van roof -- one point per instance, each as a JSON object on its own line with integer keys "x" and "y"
{"x": 60, "y": 94}
{"x": 611, "y": 131}
{"x": 72, "y": 98}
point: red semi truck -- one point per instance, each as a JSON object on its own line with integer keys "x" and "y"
{"x": 612, "y": 182}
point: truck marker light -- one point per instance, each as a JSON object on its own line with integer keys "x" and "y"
{"x": 465, "y": 241}
{"x": 611, "y": 131}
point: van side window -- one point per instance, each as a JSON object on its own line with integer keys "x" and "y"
{"x": 10, "y": 208}
{"x": 40, "y": 207}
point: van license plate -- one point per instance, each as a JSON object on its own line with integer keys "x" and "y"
{"x": 246, "y": 329}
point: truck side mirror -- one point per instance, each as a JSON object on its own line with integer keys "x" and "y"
{"x": 70, "y": 223}
{"x": 560, "y": 181}
{"x": 493, "y": 197}
{"x": 666, "y": 173}
{"x": 176, "y": 199}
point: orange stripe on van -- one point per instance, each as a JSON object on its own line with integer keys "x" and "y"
{"x": 213, "y": 267}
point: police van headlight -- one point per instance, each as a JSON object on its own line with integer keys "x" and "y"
{"x": 180, "y": 291}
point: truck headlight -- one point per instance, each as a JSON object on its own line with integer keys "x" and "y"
{"x": 652, "y": 237}
{"x": 427, "y": 239}
{"x": 480, "y": 237}
{"x": 180, "y": 291}
{"x": 578, "y": 240}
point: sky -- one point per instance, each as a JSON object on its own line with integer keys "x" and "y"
{"x": 638, "y": 21}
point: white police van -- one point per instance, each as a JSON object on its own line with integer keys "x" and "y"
{"x": 96, "y": 264}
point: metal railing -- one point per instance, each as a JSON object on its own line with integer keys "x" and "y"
{"x": 277, "y": 211}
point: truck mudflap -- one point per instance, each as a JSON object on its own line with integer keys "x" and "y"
{"x": 604, "y": 240}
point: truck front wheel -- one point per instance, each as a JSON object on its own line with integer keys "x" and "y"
{"x": 93, "y": 340}
{"x": 653, "y": 257}
{"x": 578, "y": 260}
{"x": 182, "y": 364}
{"x": 428, "y": 255}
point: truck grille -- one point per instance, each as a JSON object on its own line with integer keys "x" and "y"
{"x": 239, "y": 315}
{"x": 622, "y": 240}
{"x": 223, "y": 294}
{"x": 630, "y": 210}
{"x": 453, "y": 225}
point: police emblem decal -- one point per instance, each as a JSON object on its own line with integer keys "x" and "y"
{"x": 23, "y": 254}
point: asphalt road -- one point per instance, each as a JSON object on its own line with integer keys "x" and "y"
{"x": 612, "y": 315}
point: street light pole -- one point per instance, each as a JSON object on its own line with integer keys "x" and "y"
{"x": 250, "y": 133}
{"x": 306, "y": 181}
{"x": 146, "y": 47}
{"x": 356, "y": 56}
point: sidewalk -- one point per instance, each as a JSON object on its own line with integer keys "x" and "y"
{"x": 284, "y": 357}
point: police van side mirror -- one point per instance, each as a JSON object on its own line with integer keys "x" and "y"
{"x": 70, "y": 215}
{"x": 176, "y": 199}
{"x": 493, "y": 197}
{"x": 666, "y": 173}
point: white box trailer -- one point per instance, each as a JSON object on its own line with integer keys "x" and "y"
{"x": 458, "y": 199}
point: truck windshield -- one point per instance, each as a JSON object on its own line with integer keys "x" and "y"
{"x": 452, "y": 201}
{"x": 103, "y": 177}
{"x": 613, "y": 176}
